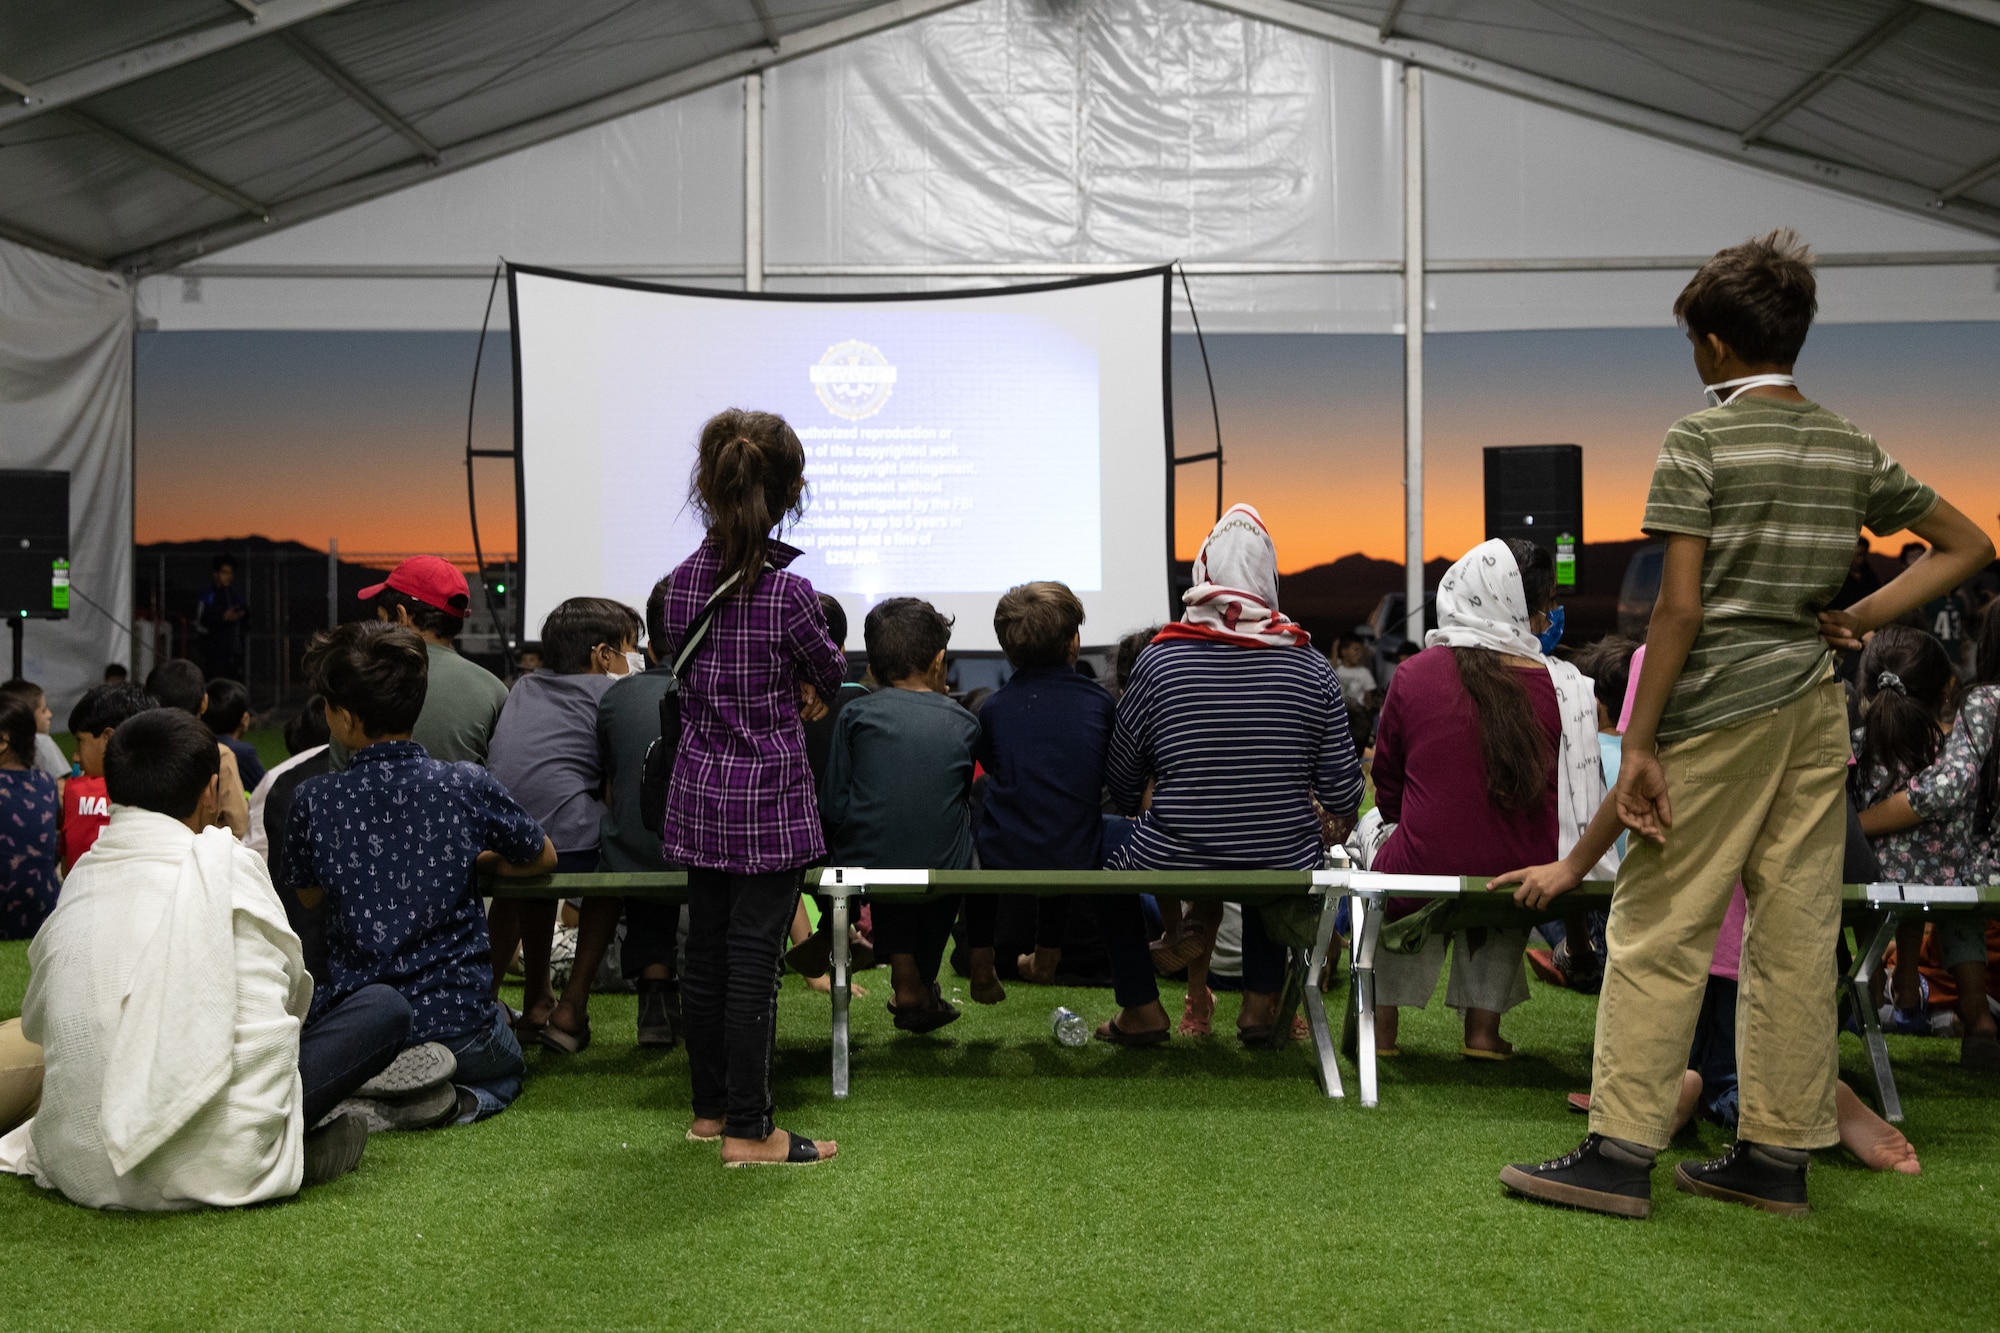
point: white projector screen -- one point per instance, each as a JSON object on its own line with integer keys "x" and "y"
{"x": 956, "y": 445}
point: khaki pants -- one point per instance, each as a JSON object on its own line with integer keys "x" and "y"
{"x": 20, "y": 1075}
{"x": 1761, "y": 801}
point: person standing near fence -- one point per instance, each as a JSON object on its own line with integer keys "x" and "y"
{"x": 741, "y": 812}
{"x": 222, "y": 620}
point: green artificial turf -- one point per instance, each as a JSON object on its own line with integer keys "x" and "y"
{"x": 989, "y": 1178}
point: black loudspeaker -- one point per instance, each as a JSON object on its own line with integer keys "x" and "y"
{"x": 1535, "y": 492}
{"x": 34, "y": 545}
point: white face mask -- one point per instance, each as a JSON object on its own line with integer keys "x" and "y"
{"x": 1713, "y": 392}
{"x": 634, "y": 663}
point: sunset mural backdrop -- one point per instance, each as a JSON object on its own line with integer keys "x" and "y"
{"x": 361, "y": 436}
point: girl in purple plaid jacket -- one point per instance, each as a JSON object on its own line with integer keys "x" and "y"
{"x": 741, "y": 812}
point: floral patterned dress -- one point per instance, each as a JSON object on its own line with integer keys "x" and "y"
{"x": 1947, "y": 793}
{"x": 30, "y": 848}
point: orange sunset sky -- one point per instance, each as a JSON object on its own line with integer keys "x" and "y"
{"x": 361, "y": 436}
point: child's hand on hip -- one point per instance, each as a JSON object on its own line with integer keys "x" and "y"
{"x": 1641, "y": 794}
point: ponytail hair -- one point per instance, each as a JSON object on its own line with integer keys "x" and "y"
{"x": 749, "y": 478}
{"x": 1905, "y": 684}
{"x": 1515, "y": 750}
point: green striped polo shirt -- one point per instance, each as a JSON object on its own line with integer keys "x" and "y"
{"x": 1780, "y": 491}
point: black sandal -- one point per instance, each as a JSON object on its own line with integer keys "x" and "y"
{"x": 930, "y": 1018}
{"x": 801, "y": 1151}
{"x": 1109, "y": 1031}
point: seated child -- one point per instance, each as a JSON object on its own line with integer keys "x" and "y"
{"x": 545, "y": 752}
{"x": 178, "y": 683}
{"x": 812, "y": 949}
{"x": 86, "y": 803}
{"x": 391, "y": 844}
{"x": 1042, "y": 738}
{"x": 48, "y": 755}
{"x": 894, "y": 795}
{"x": 30, "y": 827}
{"x": 167, "y": 995}
{"x": 227, "y": 712}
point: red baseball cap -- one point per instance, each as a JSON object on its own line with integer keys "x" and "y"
{"x": 431, "y": 580}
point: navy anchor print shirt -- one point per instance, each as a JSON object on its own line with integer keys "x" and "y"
{"x": 392, "y": 841}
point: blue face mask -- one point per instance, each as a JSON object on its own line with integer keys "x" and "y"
{"x": 1553, "y": 635}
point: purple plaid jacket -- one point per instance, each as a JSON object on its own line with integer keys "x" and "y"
{"x": 742, "y": 795}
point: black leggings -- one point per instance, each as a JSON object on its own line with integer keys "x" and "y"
{"x": 729, "y": 993}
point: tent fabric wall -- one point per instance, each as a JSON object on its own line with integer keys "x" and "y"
{"x": 66, "y": 403}
{"x": 1120, "y": 131}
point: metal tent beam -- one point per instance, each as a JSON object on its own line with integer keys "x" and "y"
{"x": 36, "y": 241}
{"x": 1860, "y": 182}
{"x": 452, "y": 157}
{"x": 1977, "y": 176}
{"x": 101, "y": 76}
{"x": 770, "y": 25}
{"x": 337, "y": 75}
{"x": 167, "y": 162}
{"x": 1874, "y": 38}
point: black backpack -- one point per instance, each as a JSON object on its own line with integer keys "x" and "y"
{"x": 657, "y": 771}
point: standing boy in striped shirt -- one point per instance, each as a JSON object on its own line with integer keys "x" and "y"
{"x": 1736, "y": 756}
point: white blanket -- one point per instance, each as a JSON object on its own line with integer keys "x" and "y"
{"x": 168, "y": 994}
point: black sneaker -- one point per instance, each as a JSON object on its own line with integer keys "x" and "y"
{"x": 335, "y": 1149}
{"x": 659, "y": 1015}
{"x": 1745, "y": 1175}
{"x": 1588, "y": 1179}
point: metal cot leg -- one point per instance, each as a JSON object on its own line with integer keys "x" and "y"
{"x": 1329, "y": 1071}
{"x": 1871, "y": 1026}
{"x": 841, "y": 990}
{"x": 1368, "y": 919}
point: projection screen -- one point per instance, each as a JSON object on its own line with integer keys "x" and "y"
{"x": 956, "y": 445}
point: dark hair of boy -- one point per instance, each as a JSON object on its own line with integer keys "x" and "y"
{"x": 114, "y": 672}
{"x": 178, "y": 683}
{"x": 836, "y": 619}
{"x": 1905, "y": 681}
{"x": 376, "y": 671}
{"x": 162, "y": 760}
{"x": 222, "y": 561}
{"x": 307, "y": 727}
{"x": 1347, "y": 640}
{"x": 1129, "y": 649}
{"x": 1517, "y": 753}
{"x": 1035, "y": 623}
{"x": 104, "y": 707}
{"x": 1608, "y": 663}
{"x": 578, "y": 626}
{"x": 1759, "y": 298}
{"x": 904, "y": 635}
{"x": 17, "y": 728}
{"x": 749, "y": 477}
{"x": 424, "y": 617}
{"x": 656, "y": 619}
{"x": 228, "y": 704}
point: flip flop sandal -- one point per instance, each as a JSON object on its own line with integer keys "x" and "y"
{"x": 1578, "y": 1102}
{"x": 930, "y": 1018}
{"x": 1109, "y": 1031}
{"x": 693, "y": 1137}
{"x": 1256, "y": 1034}
{"x": 1388, "y": 1052}
{"x": 555, "y": 1039}
{"x": 1492, "y": 1057}
{"x": 801, "y": 1152}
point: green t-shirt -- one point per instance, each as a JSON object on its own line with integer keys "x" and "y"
{"x": 1780, "y": 490}
{"x": 462, "y": 701}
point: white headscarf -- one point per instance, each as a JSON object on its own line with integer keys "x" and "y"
{"x": 1481, "y": 603}
{"x": 1235, "y": 592}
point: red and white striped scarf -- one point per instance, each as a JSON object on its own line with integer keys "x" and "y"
{"x": 1235, "y": 594}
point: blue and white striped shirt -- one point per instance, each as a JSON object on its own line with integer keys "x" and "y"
{"x": 1238, "y": 741}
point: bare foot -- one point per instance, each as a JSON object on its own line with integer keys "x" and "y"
{"x": 824, "y": 985}
{"x": 1879, "y": 1144}
{"x": 1198, "y": 1013}
{"x": 773, "y": 1149}
{"x": 1039, "y": 968}
{"x": 535, "y": 1014}
{"x": 1144, "y": 1018}
{"x": 705, "y": 1129}
{"x": 983, "y": 983}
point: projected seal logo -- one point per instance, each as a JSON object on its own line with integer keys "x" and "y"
{"x": 853, "y": 380}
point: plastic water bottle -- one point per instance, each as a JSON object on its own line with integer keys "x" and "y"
{"x": 1069, "y": 1027}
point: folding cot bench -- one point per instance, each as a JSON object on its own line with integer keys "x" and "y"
{"x": 1872, "y": 910}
